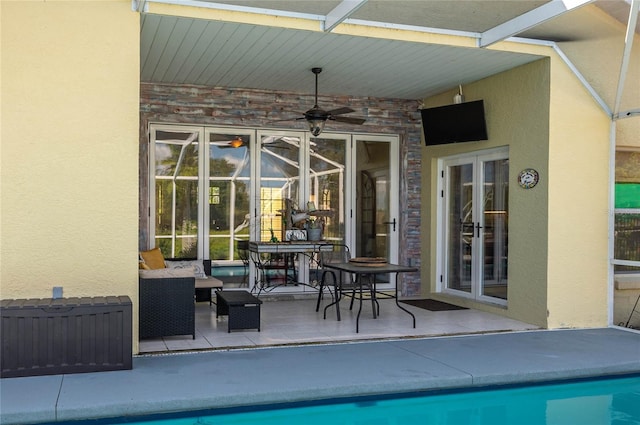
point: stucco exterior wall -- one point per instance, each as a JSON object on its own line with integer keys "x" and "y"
{"x": 558, "y": 230}
{"x": 579, "y": 146}
{"x": 69, "y": 160}
{"x": 516, "y": 112}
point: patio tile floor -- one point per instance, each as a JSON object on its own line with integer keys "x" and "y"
{"x": 295, "y": 322}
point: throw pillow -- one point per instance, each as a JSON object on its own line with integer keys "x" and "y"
{"x": 153, "y": 258}
{"x": 196, "y": 266}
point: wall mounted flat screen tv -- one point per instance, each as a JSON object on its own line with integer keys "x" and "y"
{"x": 460, "y": 122}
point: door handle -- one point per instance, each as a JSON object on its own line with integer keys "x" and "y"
{"x": 464, "y": 227}
{"x": 391, "y": 222}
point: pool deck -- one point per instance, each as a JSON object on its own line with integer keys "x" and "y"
{"x": 219, "y": 379}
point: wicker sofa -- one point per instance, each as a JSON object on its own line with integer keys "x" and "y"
{"x": 167, "y": 301}
{"x": 167, "y": 307}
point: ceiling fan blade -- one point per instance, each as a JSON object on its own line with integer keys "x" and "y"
{"x": 349, "y": 120}
{"x": 340, "y": 111}
{"x": 288, "y": 119}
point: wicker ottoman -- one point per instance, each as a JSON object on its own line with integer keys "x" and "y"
{"x": 242, "y": 308}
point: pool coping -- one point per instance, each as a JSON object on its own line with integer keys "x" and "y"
{"x": 272, "y": 375}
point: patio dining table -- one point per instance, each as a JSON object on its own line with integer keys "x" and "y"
{"x": 369, "y": 272}
{"x": 287, "y": 250}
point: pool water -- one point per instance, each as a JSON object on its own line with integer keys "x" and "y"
{"x": 598, "y": 402}
{"x": 227, "y": 271}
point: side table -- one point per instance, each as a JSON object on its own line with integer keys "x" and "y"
{"x": 242, "y": 308}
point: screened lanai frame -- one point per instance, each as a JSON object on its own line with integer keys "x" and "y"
{"x": 626, "y": 253}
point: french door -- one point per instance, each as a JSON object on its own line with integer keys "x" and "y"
{"x": 199, "y": 190}
{"x": 474, "y": 210}
{"x": 376, "y": 227}
{"x": 211, "y": 187}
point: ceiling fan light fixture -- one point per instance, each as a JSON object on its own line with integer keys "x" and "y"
{"x": 236, "y": 143}
{"x": 316, "y": 125}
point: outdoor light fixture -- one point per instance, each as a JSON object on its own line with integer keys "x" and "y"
{"x": 316, "y": 126}
{"x": 458, "y": 98}
{"x": 236, "y": 143}
{"x": 316, "y": 118}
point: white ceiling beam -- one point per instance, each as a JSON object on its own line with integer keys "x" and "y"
{"x": 234, "y": 8}
{"x": 628, "y": 44}
{"x": 139, "y": 6}
{"x": 341, "y": 12}
{"x": 528, "y": 20}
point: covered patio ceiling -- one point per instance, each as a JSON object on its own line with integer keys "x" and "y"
{"x": 222, "y": 53}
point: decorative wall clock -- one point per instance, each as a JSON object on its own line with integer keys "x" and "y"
{"x": 528, "y": 178}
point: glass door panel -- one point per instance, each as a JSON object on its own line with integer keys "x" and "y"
{"x": 495, "y": 229}
{"x": 278, "y": 191}
{"x": 460, "y": 227}
{"x": 175, "y": 173}
{"x": 327, "y": 182}
{"x": 377, "y": 205}
{"x": 227, "y": 212}
{"x": 382, "y": 214}
{"x": 279, "y": 182}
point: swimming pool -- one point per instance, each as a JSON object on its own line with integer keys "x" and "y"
{"x": 227, "y": 271}
{"x": 598, "y": 402}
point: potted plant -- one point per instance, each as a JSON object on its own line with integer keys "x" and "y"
{"x": 314, "y": 229}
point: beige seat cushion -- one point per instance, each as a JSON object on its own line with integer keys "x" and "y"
{"x": 153, "y": 258}
{"x": 165, "y": 273}
{"x": 210, "y": 282}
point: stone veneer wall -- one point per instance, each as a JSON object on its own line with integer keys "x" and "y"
{"x": 214, "y": 106}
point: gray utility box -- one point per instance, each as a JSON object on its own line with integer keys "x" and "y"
{"x": 66, "y": 335}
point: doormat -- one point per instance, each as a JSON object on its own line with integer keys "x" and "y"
{"x": 433, "y": 305}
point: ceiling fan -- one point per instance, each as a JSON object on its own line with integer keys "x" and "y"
{"x": 316, "y": 117}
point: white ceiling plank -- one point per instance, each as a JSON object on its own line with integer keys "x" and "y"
{"x": 528, "y": 20}
{"x": 341, "y": 12}
{"x": 185, "y": 50}
{"x": 172, "y": 47}
{"x": 200, "y": 52}
{"x": 148, "y": 29}
{"x": 248, "y": 72}
{"x": 194, "y": 47}
{"x": 160, "y": 38}
{"x": 217, "y": 49}
{"x": 242, "y": 52}
{"x": 292, "y": 55}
